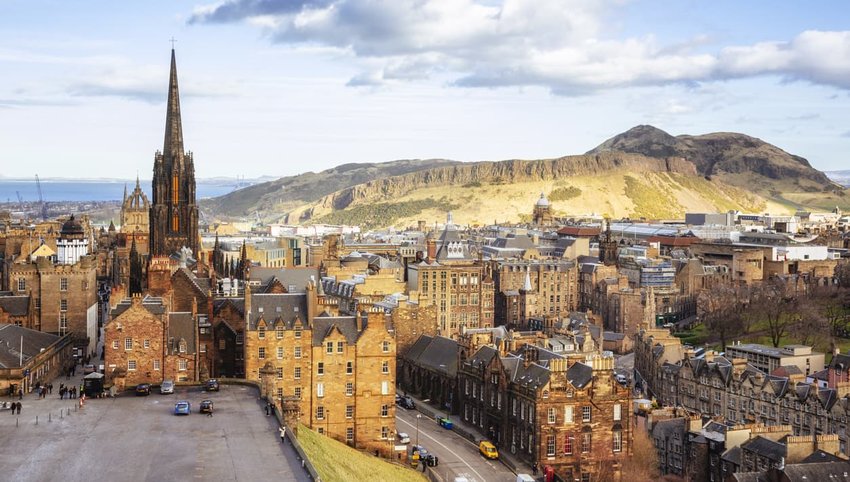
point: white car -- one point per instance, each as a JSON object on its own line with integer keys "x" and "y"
{"x": 166, "y": 387}
{"x": 403, "y": 438}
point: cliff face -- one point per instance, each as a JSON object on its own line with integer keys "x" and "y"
{"x": 717, "y": 153}
{"x": 503, "y": 172}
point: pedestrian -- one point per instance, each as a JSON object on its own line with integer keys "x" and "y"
{"x": 534, "y": 468}
{"x": 12, "y": 408}
{"x": 267, "y": 409}
{"x": 19, "y": 408}
{"x": 20, "y": 394}
{"x": 50, "y": 389}
{"x": 282, "y": 434}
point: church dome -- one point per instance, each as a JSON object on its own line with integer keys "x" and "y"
{"x": 542, "y": 202}
{"x": 72, "y": 226}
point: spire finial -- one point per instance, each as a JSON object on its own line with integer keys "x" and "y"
{"x": 173, "y": 41}
{"x": 173, "y": 145}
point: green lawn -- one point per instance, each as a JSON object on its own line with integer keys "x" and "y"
{"x": 336, "y": 461}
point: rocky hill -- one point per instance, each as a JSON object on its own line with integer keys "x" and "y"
{"x": 643, "y": 172}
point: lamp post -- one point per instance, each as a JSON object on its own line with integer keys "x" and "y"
{"x": 418, "y": 416}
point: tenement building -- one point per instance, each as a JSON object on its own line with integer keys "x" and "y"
{"x": 174, "y": 213}
{"x": 339, "y": 371}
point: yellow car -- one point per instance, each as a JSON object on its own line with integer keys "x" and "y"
{"x": 488, "y": 450}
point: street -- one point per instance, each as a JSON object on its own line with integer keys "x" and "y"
{"x": 139, "y": 438}
{"x": 458, "y": 456}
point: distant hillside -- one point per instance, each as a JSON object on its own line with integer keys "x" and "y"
{"x": 841, "y": 177}
{"x": 643, "y": 172}
{"x": 272, "y": 199}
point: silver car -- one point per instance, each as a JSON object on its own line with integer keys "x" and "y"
{"x": 166, "y": 387}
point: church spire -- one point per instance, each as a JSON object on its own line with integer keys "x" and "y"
{"x": 173, "y": 147}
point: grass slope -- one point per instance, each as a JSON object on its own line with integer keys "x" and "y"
{"x": 336, "y": 461}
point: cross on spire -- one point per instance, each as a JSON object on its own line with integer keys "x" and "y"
{"x": 173, "y": 41}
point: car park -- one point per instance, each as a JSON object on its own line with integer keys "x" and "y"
{"x": 166, "y": 387}
{"x": 211, "y": 385}
{"x": 488, "y": 450}
{"x": 182, "y": 408}
{"x": 143, "y": 389}
{"x": 206, "y": 406}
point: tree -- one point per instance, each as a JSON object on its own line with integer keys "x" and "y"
{"x": 720, "y": 310}
{"x": 842, "y": 274}
{"x": 777, "y": 308}
{"x": 642, "y": 466}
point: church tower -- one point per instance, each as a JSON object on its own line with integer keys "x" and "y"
{"x": 174, "y": 213}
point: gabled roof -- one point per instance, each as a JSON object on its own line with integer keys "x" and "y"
{"x": 579, "y": 375}
{"x": 440, "y": 355}
{"x": 237, "y": 304}
{"x": 823, "y": 471}
{"x": 764, "y": 447}
{"x": 271, "y": 306}
{"x": 15, "y": 305}
{"x": 324, "y": 326}
{"x": 181, "y": 326}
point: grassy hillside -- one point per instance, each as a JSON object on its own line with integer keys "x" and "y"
{"x": 337, "y": 462}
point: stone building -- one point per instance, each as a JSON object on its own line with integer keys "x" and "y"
{"x": 29, "y": 356}
{"x": 145, "y": 342}
{"x": 174, "y": 212}
{"x": 135, "y": 219}
{"x": 542, "y": 213}
{"x": 338, "y": 370}
{"x": 553, "y": 283}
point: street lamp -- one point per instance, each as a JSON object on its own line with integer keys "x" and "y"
{"x": 418, "y": 416}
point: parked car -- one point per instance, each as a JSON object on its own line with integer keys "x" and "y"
{"x": 445, "y": 423}
{"x": 143, "y": 389}
{"x": 211, "y": 385}
{"x": 206, "y": 406}
{"x": 405, "y": 402}
{"x": 88, "y": 369}
{"x": 403, "y": 438}
{"x": 488, "y": 450}
{"x": 622, "y": 379}
{"x": 167, "y": 386}
{"x": 182, "y": 408}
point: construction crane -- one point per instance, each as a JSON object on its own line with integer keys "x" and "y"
{"x": 20, "y": 201}
{"x": 42, "y": 204}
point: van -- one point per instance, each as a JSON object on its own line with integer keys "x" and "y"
{"x": 488, "y": 450}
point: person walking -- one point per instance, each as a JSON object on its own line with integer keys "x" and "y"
{"x": 19, "y": 408}
{"x": 13, "y": 407}
{"x": 282, "y": 430}
{"x": 20, "y": 394}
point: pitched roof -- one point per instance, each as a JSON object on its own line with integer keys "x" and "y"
{"x": 826, "y": 471}
{"x": 181, "y": 326}
{"x": 324, "y": 325}
{"x": 288, "y": 277}
{"x": 273, "y": 306}
{"x": 764, "y": 447}
{"x": 15, "y": 305}
{"x": 440, "y": 354}
{"x": 11, "y": 337}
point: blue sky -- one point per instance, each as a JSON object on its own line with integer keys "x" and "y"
{"x": 280, "y": 87}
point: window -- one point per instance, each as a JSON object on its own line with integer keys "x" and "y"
{"x": 568, "y": 414}
{"x": 38, "y": 303}
{"x": 320, "y": 368}
{"x": 22, "y": 284}
{"x": 585, "y": 442}
{"x": 320, "y": 390}
{"x": 147, "y": 343}
{"x": 349, "y": 434}
{"x": 279, "y": 373}
{"x": 240, "y": 338}
{"x": 385, "y": 347}
{"x": 297, "y": 352}
{"x": 349, "y": 389}
{"x": 550, "y": 445}
{"x": 385, "y": 433}
{"x": 278, "y": 392}
{"x": 131, "y": 365}
{"x": 349, "y": 368}
{"x": 297, "y": 373}
{"x": 297, "y": 392}
{"x": 349, "y": 411}
{"x": 278, "y": 332}
{"x": 340, "y": 346}
{"x": 156, "y": 364}
{"x": 385, "y": 367}
{"x": 551, "y": 417}
{"x": 63, "y": 305}
{"x": 385, "y": 388}
{"x": 618, "y": 441}
{"x": 63, "y": 284}
{"x": 329, "y": 347}
{"x": 261, "y": 332}
{"x": 568, "y": 444}
{"x": 114, "y": 344}
{"x": 182, "y": 346}
{"x": 298, "y": 333}
{"x": 63, "y": 323}
{"x": 279, "y": 352}
{"x": 261, "y": 353}
{"x": 222, "y": 344}
{"x": 320, "y": 412}
{"x": 585, "y": 413}
{"x": 128, "y": 343}
{"x": 618, "y": 415}
{"x": 182, "y": 365}
{"x": 385, "y": 410}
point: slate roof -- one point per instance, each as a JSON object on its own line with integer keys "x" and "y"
{"x": 153, "y": 304}
{"x": 439, "y": 354}
{"x": 297, "y": 277}
{"x": 237, "y": 303}
{"x": 483, "y": 356}
{"x": 271, "y": 306}
{"x": 15, "y": 305}
{"x": 667, "y": 428}
{"x": 579, "y": 375}
{"x": 201, "y": 284}
{"x": 765, "y": 448}
{"x": 324, "y": 325}
{"x": 418, "y": 346}
{"x": 821, "y": 456}
{"x": 181, "y": 325}
{"x": 10, "y": 344}
{"x": 840, "y": 361}
{"x": 824, "y": 471}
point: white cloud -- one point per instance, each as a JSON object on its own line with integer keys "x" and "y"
{"x": 557, "y": 44}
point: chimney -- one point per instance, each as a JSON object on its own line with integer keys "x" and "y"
{"x": 432, "y": 249}
{"x": 312, "y": 301}
{"x": 360, "y": 321}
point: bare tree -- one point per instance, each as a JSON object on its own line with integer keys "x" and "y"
{"x": 642, "y": 466}
{"x": 776, "y": 308}
{"x": 720, "y": 311}
{"x": 842, "y": 274}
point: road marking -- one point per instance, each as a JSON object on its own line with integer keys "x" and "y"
{"x": 441, "y": 445}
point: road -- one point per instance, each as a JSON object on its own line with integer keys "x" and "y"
{"x": 458, "y": 456}
{"x": 139, "y": 439}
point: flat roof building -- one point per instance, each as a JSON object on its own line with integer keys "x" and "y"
{"x": 767, "y": 358}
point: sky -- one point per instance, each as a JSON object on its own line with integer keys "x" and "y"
{"x": 280, "y": 87}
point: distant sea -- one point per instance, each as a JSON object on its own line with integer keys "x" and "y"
{"x": 106, "y": 190}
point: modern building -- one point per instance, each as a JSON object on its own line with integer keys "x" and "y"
{"x": 768, "y": 359}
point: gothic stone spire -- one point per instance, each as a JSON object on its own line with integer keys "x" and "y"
{"x": 173, "y": 146}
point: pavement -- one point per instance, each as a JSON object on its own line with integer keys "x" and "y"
{"x": 139, "y": 438}
{"x": 458, "y": 456}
